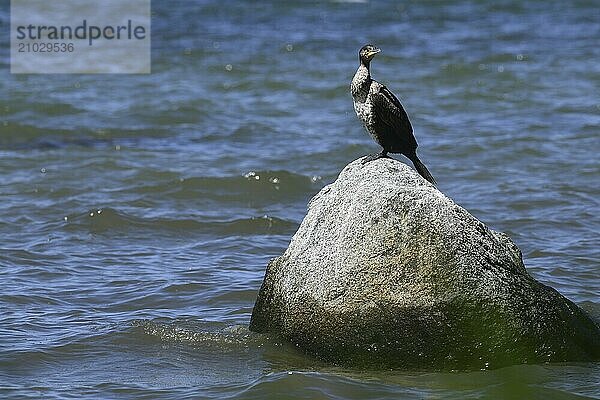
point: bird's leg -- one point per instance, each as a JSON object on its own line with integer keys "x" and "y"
{"x": 373, "y": 157}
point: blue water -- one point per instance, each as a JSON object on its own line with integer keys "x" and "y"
{"x": 138, "y": 212}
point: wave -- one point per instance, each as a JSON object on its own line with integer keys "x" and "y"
{"x": 19, "y": 136}
{"x": 252, "y": 187}
{"x": 199, "y": 334}
{"x": 110, "y": 220}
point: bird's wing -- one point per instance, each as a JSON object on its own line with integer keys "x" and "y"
{"x": 388, "y": 108}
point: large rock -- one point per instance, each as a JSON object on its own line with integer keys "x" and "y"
{"x": 386, "y": 271}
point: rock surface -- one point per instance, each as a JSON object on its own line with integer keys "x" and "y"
{"x": 386, "y": 271}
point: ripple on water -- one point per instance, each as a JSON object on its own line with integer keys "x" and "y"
{"x": 111, "y": 221}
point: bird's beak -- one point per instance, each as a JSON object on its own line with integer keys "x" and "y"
{"x": 374, "y": 51}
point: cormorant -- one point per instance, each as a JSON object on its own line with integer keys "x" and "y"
{"x": 382, "y": 115}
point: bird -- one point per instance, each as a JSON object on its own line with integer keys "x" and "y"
{"x": 383, "y": 116}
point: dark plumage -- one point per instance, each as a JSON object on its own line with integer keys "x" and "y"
{"x": 382, "y": 115}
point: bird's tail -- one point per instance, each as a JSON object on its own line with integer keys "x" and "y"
{"x": 421, "y": 168}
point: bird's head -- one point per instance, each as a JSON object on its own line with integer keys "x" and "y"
{"x": 367, "y": 52}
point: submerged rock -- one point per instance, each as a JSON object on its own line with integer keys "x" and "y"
{"x": 386, "y": 271}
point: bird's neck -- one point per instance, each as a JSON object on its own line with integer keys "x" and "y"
{"x": 365, "y": 68}
{"x": 361, "y": 81}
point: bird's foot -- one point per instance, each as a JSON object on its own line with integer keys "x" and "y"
{"x": 373, "y": 157}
